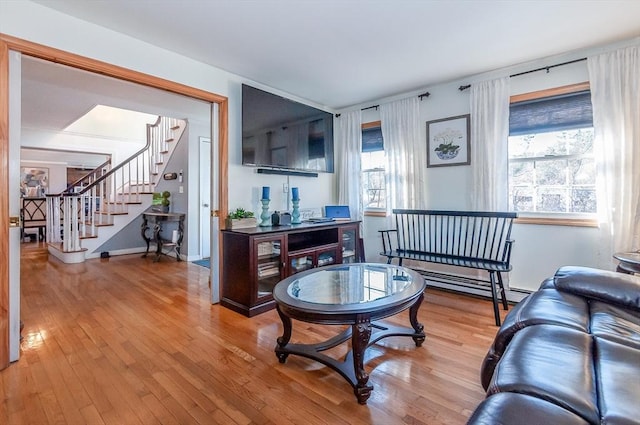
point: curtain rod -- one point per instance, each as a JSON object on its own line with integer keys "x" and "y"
{"x": 544, "y": 68}
{"x": 425, "y": 94}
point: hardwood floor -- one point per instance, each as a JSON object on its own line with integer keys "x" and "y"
{"x": 128, "y": 341}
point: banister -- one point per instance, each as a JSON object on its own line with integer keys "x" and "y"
{"x": 119, "y": 166}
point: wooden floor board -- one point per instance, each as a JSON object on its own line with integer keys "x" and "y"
{"x": 125, "y": 340}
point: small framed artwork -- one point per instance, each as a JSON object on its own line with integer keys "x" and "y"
{"x": 448, "y": 141}
{"x": 34, "y": 181}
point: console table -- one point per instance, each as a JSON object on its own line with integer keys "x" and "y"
{"x": 152, "y": 227}
{"x": 255, "y": 259}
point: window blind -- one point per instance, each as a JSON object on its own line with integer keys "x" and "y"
{"x": 372, "y": 139}
{"x": 555, "y": 113}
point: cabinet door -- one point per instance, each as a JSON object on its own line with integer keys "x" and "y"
{"x": 349, "y": 241}
{"x": 269, "y": 266}
{"x": 301, "y": 261}
{"x": 327, "y": 256}
{"x": 305, "y": 260}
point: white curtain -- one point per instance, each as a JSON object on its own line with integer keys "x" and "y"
{"x": 489, "y": 139}
{"x": 348, "y": 142}
{"x": 615, "y": 94}
{"x": 405, "y": 153}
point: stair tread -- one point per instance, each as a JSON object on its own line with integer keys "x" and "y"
{"x": 124, "y": 203}
{"x": 88, "y": 223}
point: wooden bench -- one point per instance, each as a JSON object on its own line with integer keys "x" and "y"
{"x": 471, "y": 239}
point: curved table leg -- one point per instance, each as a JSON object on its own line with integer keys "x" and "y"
{"x": 156, "y": 237}
{"x": 143, "y": 231}
{"x": 417, "y": 326}
{"x": 359, "y": 343}
{"x": 285, "y": 338}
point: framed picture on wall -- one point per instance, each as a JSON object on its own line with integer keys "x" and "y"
{"x": 34, "y": 181}
{"x": 448, "y": 141}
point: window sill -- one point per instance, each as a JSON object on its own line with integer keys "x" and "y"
{"x": 558, "y": 221}
{"x": 375, "y": 213}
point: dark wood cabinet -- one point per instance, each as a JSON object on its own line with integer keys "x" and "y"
{"x": 256, "y": 259}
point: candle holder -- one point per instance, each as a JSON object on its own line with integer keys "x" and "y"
{"x": 295, "y": 214}
{"x": 265, "y": 217}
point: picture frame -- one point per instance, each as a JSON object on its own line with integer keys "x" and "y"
{"x": 449, "y": 141}
{"x": 34, "y": 181}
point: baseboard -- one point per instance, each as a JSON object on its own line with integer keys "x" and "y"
{"x": 513, "y": 296}
{"x": 138, "y": 250}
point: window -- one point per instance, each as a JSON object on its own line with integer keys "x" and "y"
{"x": 552, "y": 169}
{"x": 373, "y": 162}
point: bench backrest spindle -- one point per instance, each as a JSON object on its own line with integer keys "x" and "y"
{"x": 475, "y": 235}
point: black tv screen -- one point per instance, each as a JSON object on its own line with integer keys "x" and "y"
{"x": 280, "y": 133}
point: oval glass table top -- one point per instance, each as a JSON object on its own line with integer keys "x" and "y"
{"x": 350, "y": 284}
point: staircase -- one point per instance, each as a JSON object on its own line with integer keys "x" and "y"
{"x": 98, "y": 206}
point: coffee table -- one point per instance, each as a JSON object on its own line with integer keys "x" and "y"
{"x": 354, "y": 294}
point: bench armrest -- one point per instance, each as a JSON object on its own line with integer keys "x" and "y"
{"x": 506, "y": 257}
{"x": 386, "y": 239}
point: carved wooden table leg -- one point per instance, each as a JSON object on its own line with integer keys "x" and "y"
{"x": 156, "y": 237}
{"x": 286, "y": 336}
{"x": 359, "y": 343}
{"x": 417, "y": 326}
{"x": 143, "y": 231}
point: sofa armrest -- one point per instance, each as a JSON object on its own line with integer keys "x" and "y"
{"x": 603, "y": 285}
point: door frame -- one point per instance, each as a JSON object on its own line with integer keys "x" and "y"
{"x": 10, "y": 43}
{"x": 205, "y": 218}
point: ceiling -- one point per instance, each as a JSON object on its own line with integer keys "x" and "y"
{"x": 339, "y": 53}
{"x": 57, "y": 98}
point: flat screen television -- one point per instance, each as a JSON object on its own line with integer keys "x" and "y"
{"x": 281, "y": 134}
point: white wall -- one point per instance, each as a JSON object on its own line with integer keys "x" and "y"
{"x": 118, "y": 149}
{"x": 57, "y": 174}
{"x": 39, "y": 24}
{"x": 539, "y": 250}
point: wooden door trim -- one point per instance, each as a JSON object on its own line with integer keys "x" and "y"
{"x": 8, "y": 43}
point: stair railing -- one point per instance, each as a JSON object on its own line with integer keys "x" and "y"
{"x": 75, "y": 213}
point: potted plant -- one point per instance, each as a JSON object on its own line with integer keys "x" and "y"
{"x": 165, "y": 201}
{"x": 241, "y": 218}
{"x": 161, "y": 202}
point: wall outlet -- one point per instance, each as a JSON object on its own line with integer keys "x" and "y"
{"x": 285, "y": 188}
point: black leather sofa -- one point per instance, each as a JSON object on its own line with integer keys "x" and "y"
{"x": 567, "y": 354}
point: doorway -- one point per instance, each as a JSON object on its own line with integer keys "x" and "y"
{"x": 10, "y": 46}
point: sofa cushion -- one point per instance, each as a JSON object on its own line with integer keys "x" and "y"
{"x": 553, "y": 363}
{"x": 615, "y": 323}
{"x": 545, "y": 306}
{"x": 618, "y": 381}
{"x": 511, "y": 408}
{"x": 612, "y": 287}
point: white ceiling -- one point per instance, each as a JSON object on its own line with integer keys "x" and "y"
{"x": 340, "y": 53}
{"x": 54, "y": 96}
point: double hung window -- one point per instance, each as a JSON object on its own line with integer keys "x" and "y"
{"x": 373, "y": 168}
{"x": 552, "y": 169}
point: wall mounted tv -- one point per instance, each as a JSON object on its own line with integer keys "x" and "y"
{"x": 281, "y": 134}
